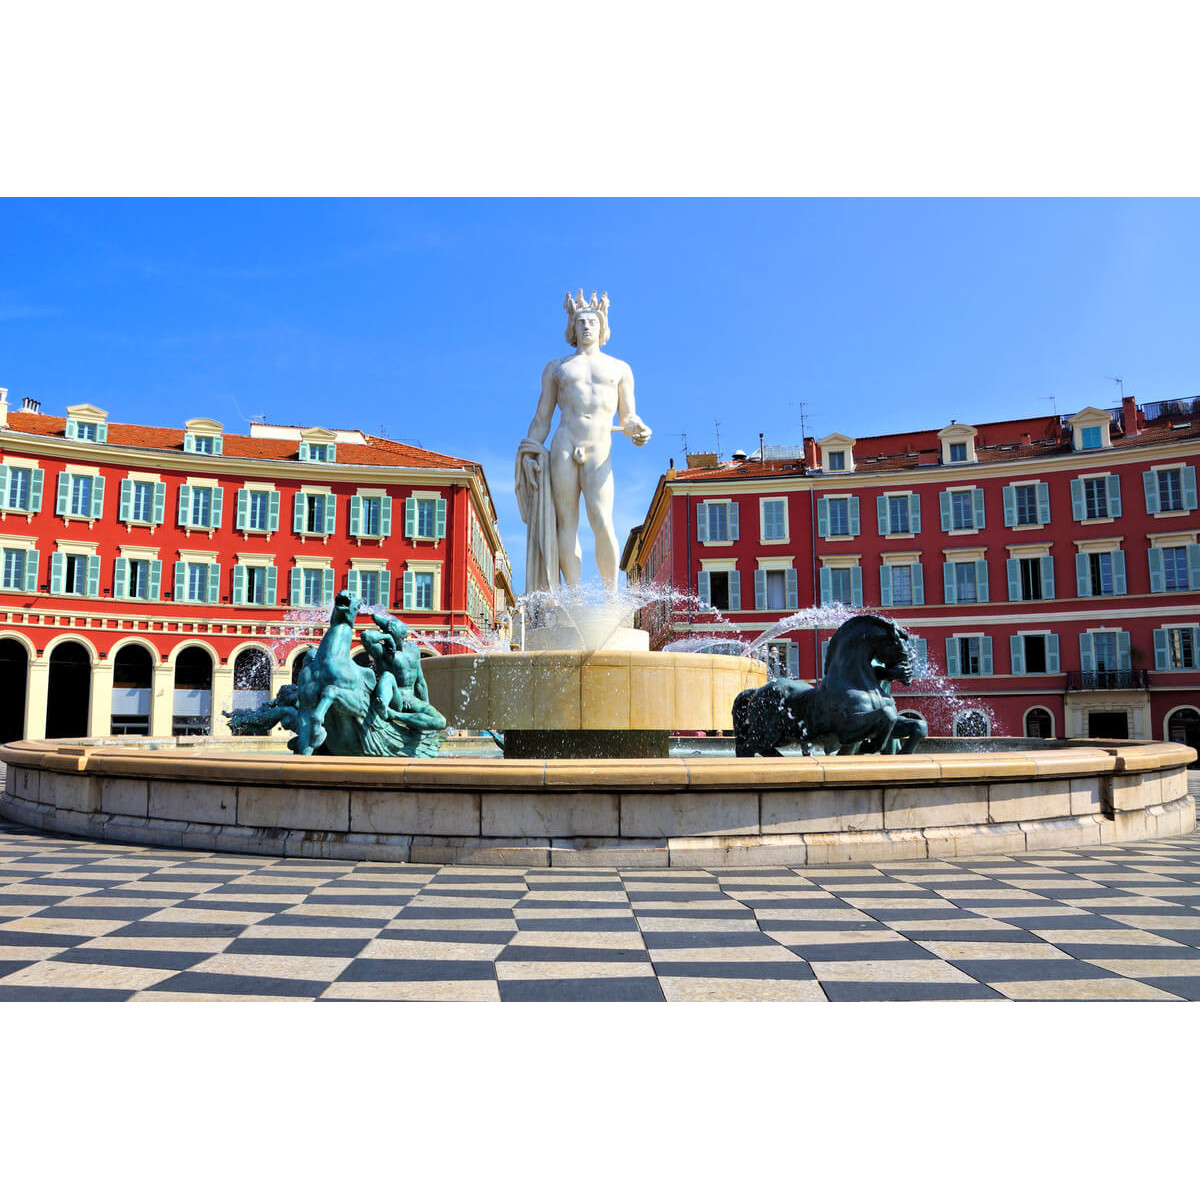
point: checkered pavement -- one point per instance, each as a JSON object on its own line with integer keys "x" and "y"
{"x": 83, "y": 920}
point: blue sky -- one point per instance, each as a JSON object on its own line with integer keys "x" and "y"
{"x": 430, "y": 320}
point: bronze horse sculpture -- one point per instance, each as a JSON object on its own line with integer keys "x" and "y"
{"x": 851, "y": 711}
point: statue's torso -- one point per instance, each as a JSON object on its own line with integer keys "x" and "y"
{"x": 586, "y": 391}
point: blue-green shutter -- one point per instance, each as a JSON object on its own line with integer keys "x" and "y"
{"x": 271, "y": 586}
{"x": 409, "y": 583}
{"x": 791, "y": 589}
{"x": 855, "y": 527}
{"x": 944, "y": 498}
{"x": 218, "y": 444}
{"x": 824, "y": 652}
{"x": 218, "y": 495}
{"x": 35, "y": 490}
{"x": 856, "y": 587}
{"x": 31, "y": 571}
{"x": 58, "y": 567}
{"x": 327, "y": 586}
{"x": 885, "y": 585}
{"x": 1150, "y": 484}
{"x": 72, "y": 429}
{"x": 160, "y": 503}
{"x": 702, "y": 589}
{"x": 1048, "y": 577}
{"x": 1052, "y": 667}
{"x": 952, "y": 662}
{"x": 1087, "y": 654}
{"x": 62, "y": 500}
{"x": 1077, "y": 509}
{"x": 3, "y": 486}
{"x": 949, "y": 591}
{"x": 1083, "y": 575}
{"x": 273, "y": 512}
{"x": 155, "y": 580}
{"x": 1193, "y": 562}
{"x": 981, "y": 581}
{"x": 181, "y": 581}
{"x": 385, "y": 588}
{"x": 977, "y": 503}
{"x": 918, "y": 583}
{"x": 101, "y": 431}
{"x": 97, "y": 497}
{"x": 239, "y": 584}
{"x": 185, "y": 504}
{"x": 985, "y": 655}
{"x": 410, "y": 519}
{"x": 214, "y": 583}
{"x": 330, "y": 515}
{"x": 353, "y": 586}
{"x": 93, "y": 575}
{"x": 125, "y": 503}
{"x": 1118, "y": 567}
{"x": 385, "y": 517}
{"x": 1014, "y": 578}
{"x": 793, "y": 660}
{"x": 1162, "y": 653}
{"x": 760, "y": 590}
{"x": 297, "y": 588}
{"x": 734, "y": 525}
{"x": 189, "y": 443}
{"x": 1043, "y": 503}
{"x": 241, "y": 518}
{"x": 298, "y": 513}
{"x": 919, "y": 654}
{"x": 1114, "y": 495}
{"x": 1010, "y": 506}
{"x": 822, "y": 518}
{"x": 881, "y": 515}
{"x": 1189, "y": 488}
{"x": 826, "y": 577}
{"x": 735, "y": 591}
{"x": 1157, "y": 580}
{"x": 439, "y": 528}
{"x": 1124, "y": 656}
{"x": 355, "y": 518}
{"x": 914, "y": 513}
{"x": 302, "y": 452}
{"x": 120, "y": 578}
{"x": 331, "y": 453}
{"x": 1016, "y": 650}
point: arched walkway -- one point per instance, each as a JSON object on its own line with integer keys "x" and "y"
{"x": 192, "y": 712}
{"x": 14, "y": 689}
{"x": 68, "y": 690}
{"x": 133, "y": 686}
{"x": 251, "y": 678}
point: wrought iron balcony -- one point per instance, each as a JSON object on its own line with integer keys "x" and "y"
{"x": 1105, "y": 681}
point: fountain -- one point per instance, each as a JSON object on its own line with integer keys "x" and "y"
{"x": 587, "y": 711}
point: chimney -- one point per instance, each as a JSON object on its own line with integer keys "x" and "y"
{"x": 811, "y": 456}
{"x": 29, "y": 404}
{"x": 3, "y": 407}
{"x": 1132, "y": 416}
{"x": 1026, "y": 438}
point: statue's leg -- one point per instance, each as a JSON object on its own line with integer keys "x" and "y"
{"x": 565, "y": 488}
{"x": 598, "y": 496}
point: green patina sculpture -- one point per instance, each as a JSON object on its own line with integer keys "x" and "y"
{"x": 338, "y": 707}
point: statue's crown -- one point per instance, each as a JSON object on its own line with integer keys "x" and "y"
{"x": 574, "y": 304}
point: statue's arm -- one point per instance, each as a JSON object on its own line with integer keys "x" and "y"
{"x": 540, "y": 426}
{"x": 631, "y": 424}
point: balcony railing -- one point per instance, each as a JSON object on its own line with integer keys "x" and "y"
{"x": 1183, "y": 407}
{"x": 1104, "y": 681}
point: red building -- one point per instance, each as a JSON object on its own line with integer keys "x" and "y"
{"x": 1048, "y": 568}
{"x": 151, "y": 577}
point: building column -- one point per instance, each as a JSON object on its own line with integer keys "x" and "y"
{"x": 37, "y": 693}
{"x": 162, "y": 700}
{"x": 222, "y": 698}
{"x": 100, "y": 700}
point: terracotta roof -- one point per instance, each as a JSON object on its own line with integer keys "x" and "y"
{"x": 378, "y": 451}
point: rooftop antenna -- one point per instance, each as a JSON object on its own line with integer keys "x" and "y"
{"x": 683, "y": 435}
{"x": 803, "y": 407}
{"x": 1053, "y": 405}
{"x": 1119, "y": 382}
{"x": 718, "y": 426}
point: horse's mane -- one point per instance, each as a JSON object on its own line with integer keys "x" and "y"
{"x": 838, "y": 643}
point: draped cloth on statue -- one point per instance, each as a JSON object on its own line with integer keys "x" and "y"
{"x": 536, "y": 502}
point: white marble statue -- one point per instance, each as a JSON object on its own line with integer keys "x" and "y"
{"x": 589, "y": 388}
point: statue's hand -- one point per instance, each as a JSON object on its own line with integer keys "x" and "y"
{"x": 533, "y": 470}
{"x": 636, "y": 429}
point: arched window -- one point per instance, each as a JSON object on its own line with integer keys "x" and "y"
{"x": 972, "y": 724}
{"x": 133, "y": 684}
{"x": 1039, "y": 723}
{"x": 1183, "y": 726}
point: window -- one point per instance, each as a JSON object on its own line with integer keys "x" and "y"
{"x": 1096, "y": 498}
{"x": 837, "y": 516}
{"x": 197, "y": 582}
{"x": 368, "y": 588}
{"x": 776, "y": 590}
{"x": 1031, "y": 578}
{"x": 958, "y": 452}
{"x": 898, "y": 514}
{"x": 136, "y": 578}
{"x": 720, "y": 589}
{"x": 141, "y": 502}
{"x": 374, "y": 586}
{"x": 369, "y": 521}
{"x": 418, "y": 590}
{"x": 254, "y": 584}
{"x": 1170, "y": 489}
{"x": 86, "y": 431}
{"x": 970, "y": 655}
{"x": 1039, "y": 723}
{"x": 311, "y": 586}
{"x": 313, "y": 591}
{"x": 201, "y": 514}
{"x": 257, "y": 510}
{"x": 972, "y": 724}
{"x": 837, "y": 460}
{"x": 314, "y": 513}
{"x": 774, "y": 520}
{"x": 783, "y": 659}
{"x": 1100, "y": 573}
{"x": 840, "y": 585}
{"x": 314, "y": 519}
{"x": 20, "y": 489}
{"x": 1034, "y": 653}
{"x": 966, "y": 582}
{"x": 425, "y": 517}
{"x": 1090, "y": 438}
{"x": 962, "y": 509}
{"x": 371, "y": 516}
{"x": 1106, "y": 652}
{"x": 902, "y": 585}
{"x": 204, "y": 445}
{"x": 1177, "y": 648}
{"x": 200, "y": 506}
{"x": 1175, "y": 568}
{"x": 319, "y": 452}
{"x": 80, "y": 496}
{"x": 74, "y": 574}
{"x": 14, "y": 570}
{"x": 1026, "y": 504}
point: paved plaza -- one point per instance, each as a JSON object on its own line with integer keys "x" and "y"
{"x": 83, "y": 920}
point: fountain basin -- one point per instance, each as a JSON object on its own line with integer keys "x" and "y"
{"x": 584, "y": 703}
{"x": 243, "y": 795}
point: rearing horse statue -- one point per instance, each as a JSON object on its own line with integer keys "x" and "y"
{"x": 850, "y": 711}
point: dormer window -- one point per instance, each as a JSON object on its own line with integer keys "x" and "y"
{"x": 317, "y": 445}
{"x": 203, "y": 436}
{"x": 958, "y": 443}
{"x": 837, "y": 453}
{"x": 86, "y": 423}
{"x": 1089, "y": 429}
